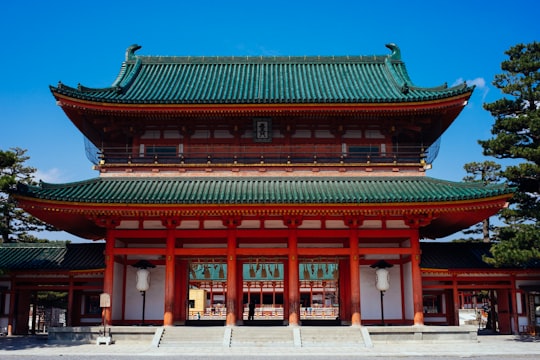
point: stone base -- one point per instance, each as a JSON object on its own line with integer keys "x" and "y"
{"x": 423, "y": 333}
{"x": 90, "y": 334}
{"x": 107, "y": 340}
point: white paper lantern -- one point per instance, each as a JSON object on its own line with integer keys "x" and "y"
{"x": 382, "y": 279}
{"x": 143, "y": 279}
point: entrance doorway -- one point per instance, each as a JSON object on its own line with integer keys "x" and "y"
{"x": 263, "y": 290}
{"x": 319, "y": 291}
{"x": 489, "y": 309}
{"x": 263, "y": 286}
{"x": 207, "y": 290}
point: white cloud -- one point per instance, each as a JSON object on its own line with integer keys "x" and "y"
{"x": 50, "y": 176}
{"x": 478, "y": 82}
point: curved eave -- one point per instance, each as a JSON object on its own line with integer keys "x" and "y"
{"x": 414, "y": 106}
{"x": 445, "y": 217}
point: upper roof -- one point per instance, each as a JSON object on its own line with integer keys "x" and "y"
{"x": 51, "y": 256}
{"x": 257, "y": 190}
{"x": 261, "y": 80}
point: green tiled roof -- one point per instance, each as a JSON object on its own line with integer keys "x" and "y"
{"x": 460, "y": 255}
{"x": 261, "y": 80}
{"x": 257, "y": 190}
{"x": 51, "y": 256}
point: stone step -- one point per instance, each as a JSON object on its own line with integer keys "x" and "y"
{"x": 192, "y": 337}
{"x": 342, "y": 336}
{"x": 259, "y": 336}
{"x": 262, "y": 336}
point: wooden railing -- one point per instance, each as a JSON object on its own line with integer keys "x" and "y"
{"x": 251, "y": 155}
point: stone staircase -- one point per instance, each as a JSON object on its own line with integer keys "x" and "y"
{"x": 261, "y": 337}
{"x": 342, "y": 336}
{"x": 257, "y": 336}
{"x": 193, "y": 336}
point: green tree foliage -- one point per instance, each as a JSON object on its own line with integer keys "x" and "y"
{"x": 7, "y": 160}
{"x": 516, "y": 135}
{"x": 518, "y": 246}
{"x": 487, "y": 172}
{"x": 15, "y": 223}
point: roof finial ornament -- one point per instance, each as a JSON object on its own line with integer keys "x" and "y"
{"x": 130, "y": 52}
{"x": 396, "y": 52}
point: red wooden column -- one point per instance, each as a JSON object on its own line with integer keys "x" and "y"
{"x": 11, "y": 316}
{"x": 108, "y": 275}
{"x": 232, "y": 288}
{"x": 354, "y": 271}
{"x": 168, "y": 316}
{"x": 69, "y": 320}
{"x": 514, "y": 313}
{"x": 293, "y": 278}
{"x": 416, "y": 280}
{"x": 455, "y": 300}
{"x": 181, "y": 291}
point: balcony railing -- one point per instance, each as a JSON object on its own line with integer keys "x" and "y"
{"x": 289, "y": 155}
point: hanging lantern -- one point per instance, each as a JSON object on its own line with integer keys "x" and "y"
{"x": 335, "y": 273}
{"x": 263, "y": 272}
{"x": 382, "y": 276}
{"x": 221, "y": 273}
{"x": 206, "y": 272}
{"x": 382, "y": 279}
{"x": 307, "y": 275}
{"x": 276, "y": 271}
{"x": 252, "y": 273}
{"x": 143, "y": 275}
{"x": 143, "y": 279}
{"x": 320, "y": 272}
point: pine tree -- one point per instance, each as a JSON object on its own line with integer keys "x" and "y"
{"x": 516, "y": 135}
{"x": 15, "y": 223}
{"x": 487, "y": 172}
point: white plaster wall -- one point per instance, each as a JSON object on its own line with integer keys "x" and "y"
{"x": 523, "y": 319}
{"x": 407, "y": 291}
{"x": 117, "y": 294}
{"x": 370, "y": 297}
{"x": 155, "y": 296}
{"x": 5, "y": 310}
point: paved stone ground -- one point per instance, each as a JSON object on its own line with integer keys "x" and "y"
{"x": 488, "y": 347}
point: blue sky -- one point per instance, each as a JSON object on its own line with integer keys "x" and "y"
{"x": 75, "y": 42}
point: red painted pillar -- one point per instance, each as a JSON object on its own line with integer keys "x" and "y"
{"x": 11, "y": 316}
{"x": 108, "y": 276}
{"x": 293, "y": 279}
{"x": 181, "y": 291}
{"x": 168, "y": 316}
{"x": 514, "y": 314}
{"x": 355, "y": 274}
{"x": 69, "y": 320}
{"x": 455, "y": 300}
{"x": 232, "y": 293}
{"x": 345, "y": 308}
{"x": 417, "y": 280}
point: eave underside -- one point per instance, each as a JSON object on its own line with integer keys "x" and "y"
{"x": 434, "y": 220}
{"x": 99, "y": 121}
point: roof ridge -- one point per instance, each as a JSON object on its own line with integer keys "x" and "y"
{"x": 203, "y": 59}
{"x": 52, "y": 244}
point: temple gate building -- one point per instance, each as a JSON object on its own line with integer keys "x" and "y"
{"x": 278, "y": 181}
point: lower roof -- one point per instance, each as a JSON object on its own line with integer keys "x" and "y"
{"x": 64, "y": 257}
{"x": 257, "y": 190}
{"x": 51, "y": 256}
{"x": 450, "y": 206}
